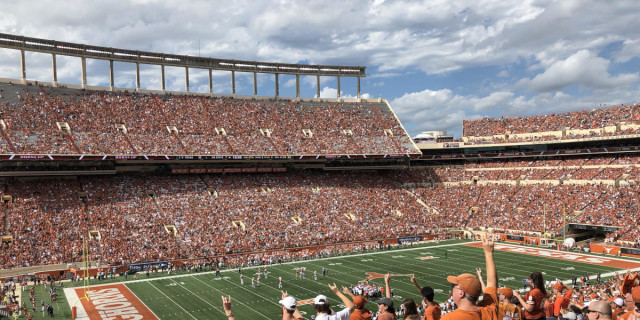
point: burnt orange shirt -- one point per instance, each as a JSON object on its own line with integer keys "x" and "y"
{"x": 432, "y": 313}
{"x": 562, "y": 302}
{"x": 360, "y": 314}
{"x": 508, "y": 310}
{"x": 534, "y": 297}
{"x": 487, "y": 310}
{"x": 625, "y": 315}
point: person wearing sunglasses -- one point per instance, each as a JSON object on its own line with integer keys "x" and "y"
{"x": 599, "y": 310}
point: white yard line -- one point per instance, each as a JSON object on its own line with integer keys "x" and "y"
{"x": 237, "y": 301}
{"x": 183, "y": 309}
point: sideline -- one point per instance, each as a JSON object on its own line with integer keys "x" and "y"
{"x": 284, "y": 263}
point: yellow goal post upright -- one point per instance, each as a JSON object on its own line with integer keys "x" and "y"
{"x": 85, "y": 271}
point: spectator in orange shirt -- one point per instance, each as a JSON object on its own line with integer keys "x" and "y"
{"x": 533, "y": 301}
{"x": 360, "y": 312}
{"x": 561, "y": 301}
{"x": 431, "y": 308}
{"x": 506, "y": 309}
{"x": 466, "y": 289}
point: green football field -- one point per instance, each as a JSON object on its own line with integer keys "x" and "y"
{"x": 197, "y": 296}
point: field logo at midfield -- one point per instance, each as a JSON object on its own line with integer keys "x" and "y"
{"x": 114, "y": 301}
{"x": 427, "y": 258}
{"x": 375, "y": 275}
{"x": 303, "y": 302}
{"x": 564, "y": 255}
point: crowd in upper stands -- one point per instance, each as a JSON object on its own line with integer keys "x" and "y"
{"x": 541, "y": 126}
{"x": 192, "y": 125}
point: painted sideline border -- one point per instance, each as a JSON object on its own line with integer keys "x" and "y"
{"x": 564, "y": 255}
{"x": 112, "y": 301}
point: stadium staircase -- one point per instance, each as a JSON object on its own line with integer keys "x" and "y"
{"x": 228, "y": 143}
{"x": 128, "y": 140}
{"x": 65, "y": 130}
{"x": 5, "y": 218}
{"x": 376, "y": 115}
{"x": 352, "y": 140}
{"x": 7, "y": 139}
{"x": 422, "y": 203}
{"x": 301, "y": 126}
{"x": 273, "y": 144}
{"x": 177, "y": 137}
{"x": 152, "y": 194}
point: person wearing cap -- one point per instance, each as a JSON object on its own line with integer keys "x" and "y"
{"x": 432, "y": 310}
{"x": 618, "y": 307}
{"x": 561, "y": 301}
{"x": 570, "y": 315}
{"x": 466, "y": 289}
{"x": 385, "y": 309}
{"x": 289, "y": 310}
{"x": 360, "y": 312}
{"x": 385, "y": 305}
{"x": 323, "y": 309}
{"x": 506, "y": 309}
{"x": 533, "y": 301}
{"x": 599, "y": 310}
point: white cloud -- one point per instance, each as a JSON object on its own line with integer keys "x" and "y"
{"x": 434, "y": 36}
{"x": 630, "y": 49}
{"x": 327, "y": 92}
{"x": 445, "y": 110}
{"x": 583, "y": 68}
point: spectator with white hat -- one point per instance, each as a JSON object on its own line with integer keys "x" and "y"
{"x": 323, "y": 308}
{"x": 289, "y": 310}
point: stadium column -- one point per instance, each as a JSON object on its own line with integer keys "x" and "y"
{"x": 358, "y": 87}
{"x": 210, "y": 81}
{"x": 186, "y": 78}
{"x": 83, "y": 71}
{"x": 111, "y": 85}
{"x": 297, "y": 86}
{"x": 318, "y": 86}
{"x": 277, "y": 90}
{"x": 137, "y": 77}
{"x": 233, "y": 82}
{"x": 338, "y": 88}
{"x": 162, "y": 76}
{"x": 255, "y": 83}
{"x": 23, "y": 68}
{"x": 54, "y": 70}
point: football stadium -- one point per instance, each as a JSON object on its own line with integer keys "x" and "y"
{"x": 126, "y": 203}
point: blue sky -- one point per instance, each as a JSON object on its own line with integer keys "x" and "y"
{"x": 436, "y": 62}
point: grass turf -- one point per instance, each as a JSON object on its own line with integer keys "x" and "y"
{"x": 197, "y": 296}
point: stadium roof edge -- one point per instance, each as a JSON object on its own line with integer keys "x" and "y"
{"x": 134, "y": 56}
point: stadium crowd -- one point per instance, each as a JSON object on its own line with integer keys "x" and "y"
{"x": 192, "y": 125}
{"x": 48, "y": 218}
{"x": 592, "y": 120}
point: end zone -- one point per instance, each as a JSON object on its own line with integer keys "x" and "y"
{"x": 564, "y": 255}
{"x": 108, "y": 302}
